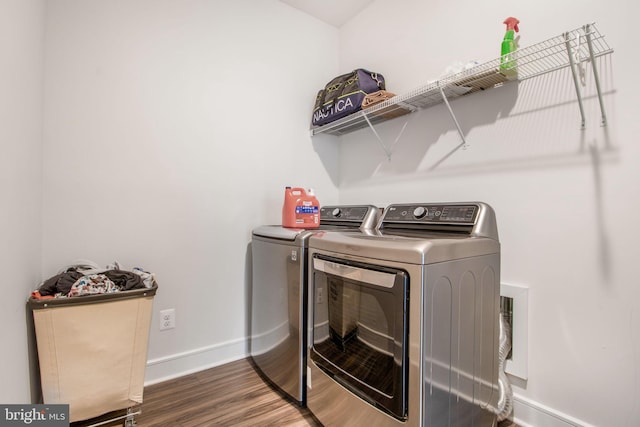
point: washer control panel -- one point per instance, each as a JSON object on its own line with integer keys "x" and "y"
{"x": 463, "y": 214}
{"x": 344, "y": 213}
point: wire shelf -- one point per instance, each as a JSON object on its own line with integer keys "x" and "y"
{"x": 583, "y": 44}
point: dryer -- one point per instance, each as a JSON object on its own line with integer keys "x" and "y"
{"x": 278, "y": 335}
{"x": 405, "y": 319}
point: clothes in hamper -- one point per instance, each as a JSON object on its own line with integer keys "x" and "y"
{"x": 92, "y": 285}
{"x": 60, "y": 283}
{"x": 120, "y": 280}
{"x": 125, "y": 280}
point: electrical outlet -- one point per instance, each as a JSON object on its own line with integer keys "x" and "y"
{"x": 319, "y": 295}
{"x": 167, "y": 319}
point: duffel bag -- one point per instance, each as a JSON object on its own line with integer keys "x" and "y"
{"x": 344, "y": 94}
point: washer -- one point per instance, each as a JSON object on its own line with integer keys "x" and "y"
{"x": 278, "y": 336}
{"x": 405, "y": 319}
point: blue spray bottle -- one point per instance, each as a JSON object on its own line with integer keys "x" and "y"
{"x": 508, "y": 65}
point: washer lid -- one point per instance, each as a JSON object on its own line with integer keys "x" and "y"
{"x": 279, "y": 232}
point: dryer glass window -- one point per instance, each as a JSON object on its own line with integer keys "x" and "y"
{"x": 360, "y": 329}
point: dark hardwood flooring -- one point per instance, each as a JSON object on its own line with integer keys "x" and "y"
{"x": 229, "y": 395}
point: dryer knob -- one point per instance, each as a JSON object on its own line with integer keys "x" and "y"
{"x": 336, "y": 212}
{"x": 419, "y": 212}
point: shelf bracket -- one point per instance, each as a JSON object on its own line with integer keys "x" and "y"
{"x": 453, "y": 117}
{"x": 572, "y": 63}
{"x": 588, "y": 33}
{"x": 389, "y": 150}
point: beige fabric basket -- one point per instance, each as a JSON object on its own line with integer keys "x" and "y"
{"x": 92, "y": 350}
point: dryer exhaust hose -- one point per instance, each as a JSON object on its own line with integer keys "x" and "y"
{"x": 505, "y": 399}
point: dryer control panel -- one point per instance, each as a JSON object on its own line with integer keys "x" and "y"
{"x": 470, "y": 218}
{"x": 432, "y": 214}
{"x": 475, "y": 219}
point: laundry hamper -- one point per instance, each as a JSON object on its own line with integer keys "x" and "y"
{"x": 92, "y": 350}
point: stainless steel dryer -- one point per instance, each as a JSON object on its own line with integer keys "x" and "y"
{"x": 405, "y": 321}
{"x": 279, "y": 295}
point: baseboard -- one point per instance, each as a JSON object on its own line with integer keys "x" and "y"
{"x": 188, "y": 362}
{"x": 528, "y": 413}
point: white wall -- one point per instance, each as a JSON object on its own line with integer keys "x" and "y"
{"x": 21, "y": 44}
{"x": 156, "y": 155}
{"x": 171, "y": 129}
{"x": 566, "y": 199}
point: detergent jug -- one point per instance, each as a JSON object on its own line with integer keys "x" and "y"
{"x": 301, "y": 209}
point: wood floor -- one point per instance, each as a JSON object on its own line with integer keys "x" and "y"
{"x": 228, "y": 395}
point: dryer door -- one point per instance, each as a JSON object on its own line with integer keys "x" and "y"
{"x": 360, "y": 329}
